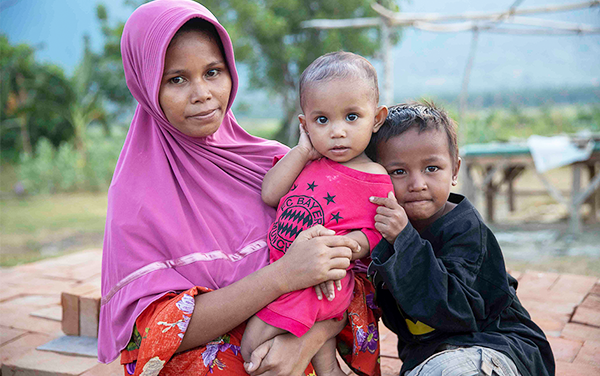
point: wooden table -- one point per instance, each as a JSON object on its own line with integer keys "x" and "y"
{"x": 503, "y": 163}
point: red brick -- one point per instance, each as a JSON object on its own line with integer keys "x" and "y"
{"x": 579, "y": 331}
{"x": 387, "y": 342}
{"x": 8, "y": 334}
{"x": 34, "y": 301}
{"x": 18, "y": 317}
{"x": 47, "y": 363}
{"x": 587, "y": 316}
{"x": 596, "y": 289}
{"x": 579, "y": 284}
{"x": 576, "y": 369}
{"x": 22, "y": 345}
{"x": 50, "y": 313}
{"x": 44, "y": 286}
{"x": 565, "y": 350}
{"x": 390, "y": 366}
{"x": 589, "y": 353}
{"x": 592, "y": 302}
{"x": 113, "y": 369}
{"x": 89, "y": 314}
{"x": 536, "y": 281}
{"x": 70, "y": 314}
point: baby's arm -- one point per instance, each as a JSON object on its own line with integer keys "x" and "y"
{"x": 328, "y": 288}
{"x": 279, "y": 179}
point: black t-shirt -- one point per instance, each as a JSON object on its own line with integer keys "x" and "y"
{"x": 449, "y": 285}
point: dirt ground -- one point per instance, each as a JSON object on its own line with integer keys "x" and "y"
{"x": 536, "y": 235}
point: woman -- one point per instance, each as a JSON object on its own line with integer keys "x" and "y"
{"x": 185, "y": 262}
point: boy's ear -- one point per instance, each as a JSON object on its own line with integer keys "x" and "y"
{"x": 456, "y": 170}
{"x": 302, "y": 120}
{"x": 380, "y": 114}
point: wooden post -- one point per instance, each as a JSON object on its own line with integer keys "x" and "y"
{"x": 388, "y": 64}
{"x": 593, "y": 198}
{"x": 575, "y": 215}
{"x": 490, "y": 191}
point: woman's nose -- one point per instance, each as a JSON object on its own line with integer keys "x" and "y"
{"x": 199, "y": 92}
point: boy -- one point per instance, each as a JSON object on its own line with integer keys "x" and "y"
{"x": 439, "y": 272}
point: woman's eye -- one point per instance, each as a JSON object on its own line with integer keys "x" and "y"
{"x": 322, "y": 120}
{"x": 431, "y": 168}
{"x": 398, "y": 172}
{"x": 351, "y": 117}
{"x": 212, "y": 73}
{"x": 176, "y": 80}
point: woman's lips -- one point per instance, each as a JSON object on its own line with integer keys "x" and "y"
{"x": 204, "y": 114}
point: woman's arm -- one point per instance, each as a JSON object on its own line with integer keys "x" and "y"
{"x": 315, "y": 256}
{"x": 279, "y": 178}
{"x": 289, "y": 355}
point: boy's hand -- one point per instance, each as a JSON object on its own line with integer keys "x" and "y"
{"x": 391, "y": 218}
{"x": 327, "y": 289}
{"x": 306, "y": 145}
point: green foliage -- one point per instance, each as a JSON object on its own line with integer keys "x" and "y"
{"x": 520, "y": 123}
{"x": 65, "y": 169}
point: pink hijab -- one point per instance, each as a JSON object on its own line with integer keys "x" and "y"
{"x": 182, "y": 211}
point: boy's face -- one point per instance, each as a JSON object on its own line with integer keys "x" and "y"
{"x": 340, "y": 116}
{"x": 422, "y": 172}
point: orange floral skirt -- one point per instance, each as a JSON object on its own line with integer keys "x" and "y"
{"x": 160, "y": 328}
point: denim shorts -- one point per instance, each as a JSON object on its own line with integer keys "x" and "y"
{"x": 466, "y": 361}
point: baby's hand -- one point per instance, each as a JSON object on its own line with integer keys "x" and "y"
{"x": 305, "y": 143}
{"x": 327, "y": 289}
{"x": 391, "y": 218}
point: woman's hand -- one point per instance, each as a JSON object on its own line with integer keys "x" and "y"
{"x": 391, "y": 218}
{"x": 289, "y": 355}
{"x": 316, "y": 256}
{"x": 306, "y": 145}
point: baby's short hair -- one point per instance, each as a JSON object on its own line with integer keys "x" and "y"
{"x": 335, "y": 65}
{"x": 421, "y": 115}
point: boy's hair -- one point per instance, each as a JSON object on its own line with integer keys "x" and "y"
{"x": 335, "y": 65}
{"x": 421, "y": 115}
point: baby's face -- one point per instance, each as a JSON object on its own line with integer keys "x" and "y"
{"x": 340, "y": 116}
{"x": 422, "y": 171}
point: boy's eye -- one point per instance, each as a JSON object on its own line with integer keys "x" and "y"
{"x": 176, "y": 80}
{"x": 431, "y": 168}
{"x": 351, "y": 117}
{"x": 398, "y": 171}
{"x": 322, "y": 120}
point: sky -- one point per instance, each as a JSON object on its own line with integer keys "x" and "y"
{"x": 424, "y": 62}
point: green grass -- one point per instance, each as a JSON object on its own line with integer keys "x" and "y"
{"x": 265, "y": 128}
{"x": 41, "y": 226}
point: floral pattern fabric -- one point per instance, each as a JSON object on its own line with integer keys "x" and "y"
{"x": 151, "y": 351}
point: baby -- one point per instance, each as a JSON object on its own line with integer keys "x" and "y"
{"x": 326, "y": 179}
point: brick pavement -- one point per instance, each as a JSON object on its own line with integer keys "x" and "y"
{"x": 565, "y": 306}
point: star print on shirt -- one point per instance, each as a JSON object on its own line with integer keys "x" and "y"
{"x": 294, "y": 186}
{"x": 312, "y": 186}
{"x": 329, "y": 199}
{"x": 337, "y": 217}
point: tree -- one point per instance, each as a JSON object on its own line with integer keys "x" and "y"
{"x": 268, "y": 37}
{"x": 31, "y": 98}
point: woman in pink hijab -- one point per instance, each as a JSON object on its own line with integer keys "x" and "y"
{"x": 185, "y": 261}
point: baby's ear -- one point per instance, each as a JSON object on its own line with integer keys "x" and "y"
{"x": 302, "y": 120}
{"x": 380, "y": 114}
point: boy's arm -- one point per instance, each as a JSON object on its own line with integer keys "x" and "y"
{"x": 437, "y": 288}
{"x": 279, "y": 178}
{"x": 362, "y": 241}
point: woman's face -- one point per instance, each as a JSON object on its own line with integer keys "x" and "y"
{"x": 195, "y": 86}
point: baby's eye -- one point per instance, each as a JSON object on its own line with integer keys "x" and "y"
{"x": 431, "y": 168}
{"x": 351, "y": 117}
{"x": 212, "y": 73}
{"x": 322, "y": 120}
{"x": 176, "y": 80}
{"x": 399, "y": 171}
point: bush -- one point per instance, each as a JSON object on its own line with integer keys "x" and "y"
{"x": 64, "y": 169}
